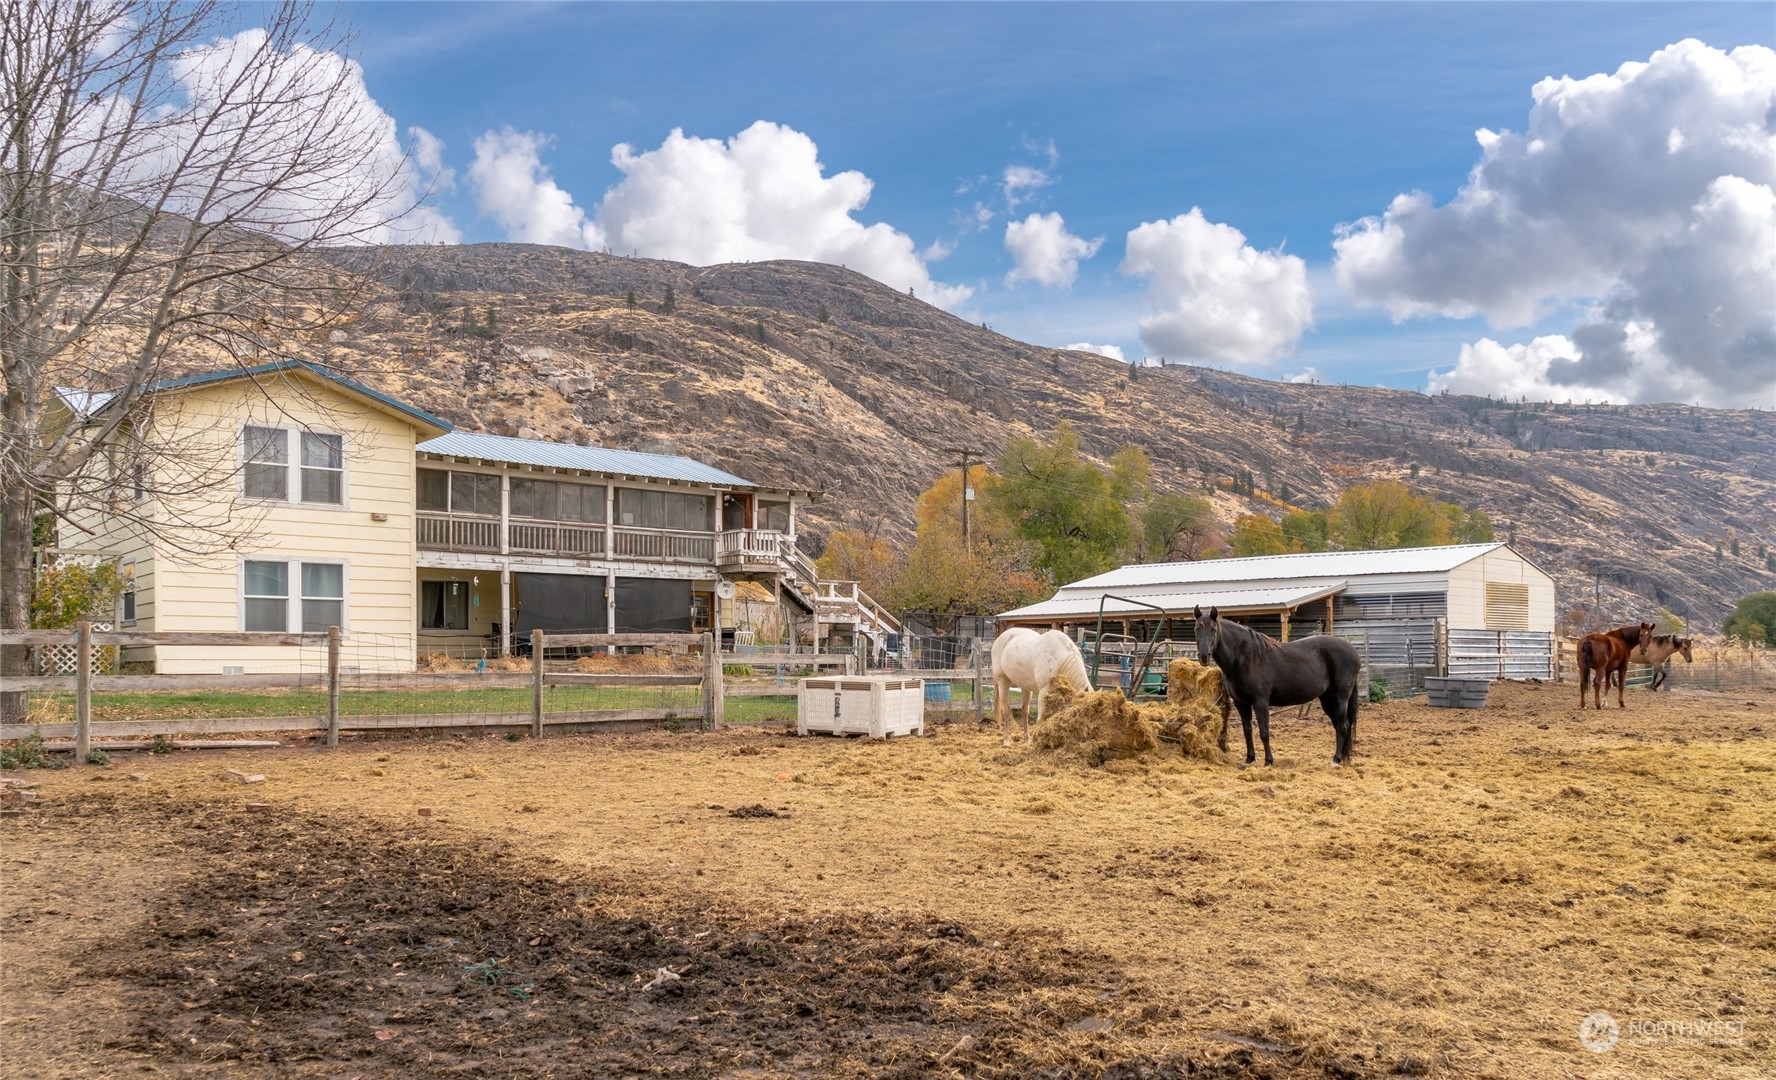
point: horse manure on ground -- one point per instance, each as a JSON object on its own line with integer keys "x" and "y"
{"x": 1091, "y": 729}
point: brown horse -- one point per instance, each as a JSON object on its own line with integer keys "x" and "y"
{"x": 1658, "y": 651}
{"x": 1602, "y": 656}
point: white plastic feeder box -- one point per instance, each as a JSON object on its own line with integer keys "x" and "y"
{"x": 879, "y": 706}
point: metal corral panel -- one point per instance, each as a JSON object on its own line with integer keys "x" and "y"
{"x": 596, "y": 459}
{"x": 1501, "y": 654}
{"x": 878, "y": 706}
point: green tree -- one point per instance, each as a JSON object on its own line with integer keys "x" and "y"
{"x": 1178, "y": 527}
{"x": 631, "y": 298}
{"x": 1306, "y": 530}
{"x": 1073, "y": 511}
{"x": 671, "y": 301}
{"x": 1753, "y": 619}
{"x": 1255, "y": 534}
{"x": 1458, "y": 526}
{"x": 823, "y": 315}
{"x": 1381, "y": 515}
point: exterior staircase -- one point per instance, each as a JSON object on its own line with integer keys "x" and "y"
{"x": 835, "y": 605}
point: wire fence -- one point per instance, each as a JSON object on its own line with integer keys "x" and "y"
{"x": 1725, "y": 666}
{"x": 365, "y": 683}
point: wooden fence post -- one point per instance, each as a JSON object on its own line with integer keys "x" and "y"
{"x": 83, "y": 692}
{"x": 713, "y": 704}
{"x": 333, "y": 685}
{"x": 536, "y": 685}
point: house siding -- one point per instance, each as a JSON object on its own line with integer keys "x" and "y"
{"x": 204, "y": 593}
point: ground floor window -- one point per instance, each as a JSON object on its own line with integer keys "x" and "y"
{"x": 444, "y": 605}
{"x": 266, "y": 595}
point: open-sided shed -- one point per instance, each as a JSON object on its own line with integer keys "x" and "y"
{"x": 1479, "y": 608}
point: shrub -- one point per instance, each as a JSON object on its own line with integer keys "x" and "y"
{"x": 1378, "y": 691}
{"x": 97, "y": 757}
{"x": 29, "y": 753}
{"x": 737, "y": 671}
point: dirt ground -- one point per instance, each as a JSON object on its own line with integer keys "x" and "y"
{"x": 1455, "y": 904}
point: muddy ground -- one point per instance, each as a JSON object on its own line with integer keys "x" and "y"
{"x": 1455, "y": 905}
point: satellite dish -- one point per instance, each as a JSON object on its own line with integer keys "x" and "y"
{"x": 724, "y": 589}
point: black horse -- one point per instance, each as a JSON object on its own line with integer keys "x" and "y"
{"x": 1260, "y": 672}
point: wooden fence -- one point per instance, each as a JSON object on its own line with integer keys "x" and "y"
{"x": 426, "y": 685}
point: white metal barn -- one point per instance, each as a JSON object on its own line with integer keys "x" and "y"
{"x": 1479, "y": 609}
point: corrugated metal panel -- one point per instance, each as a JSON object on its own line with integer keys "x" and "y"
{"x": 1323, "y": 564}
{"x": 1077, "y": 605}
{"x": 596, "y": 459}
{"x": 1501, "y": 654}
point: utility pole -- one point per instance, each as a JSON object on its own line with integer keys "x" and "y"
{"x": 967, "y": 495}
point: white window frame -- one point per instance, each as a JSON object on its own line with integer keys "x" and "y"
{"x": 293, "y": 599}
{"x": 126, "y": 598}
{"x": 293, "y": 467}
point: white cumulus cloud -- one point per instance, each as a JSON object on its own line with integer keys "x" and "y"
{"x": 762, "y": 194}
{"x": 1214, "y": 296}
{"x": 1045, "y": 252}
{"x": 513, "y": 187}
{"x": 1644, "y": 195}
{"x": 1306, "y": 376}
{"x": 241, "y": 137}
{"x": 1114, "y": 352}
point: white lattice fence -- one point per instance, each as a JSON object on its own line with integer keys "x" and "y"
{"x": 65, "y": 659}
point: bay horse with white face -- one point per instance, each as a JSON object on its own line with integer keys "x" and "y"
{"x": 1604, "y": 657}
{"x": 1259, "y": 672}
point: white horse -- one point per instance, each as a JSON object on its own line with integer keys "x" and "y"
{"x": 1030, "y": 661}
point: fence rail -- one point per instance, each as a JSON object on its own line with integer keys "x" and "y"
{"x": 331, "y": 698}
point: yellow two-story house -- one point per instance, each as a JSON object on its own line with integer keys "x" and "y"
{"x": 292, "y": 512}
{"x": 308, "y": 500}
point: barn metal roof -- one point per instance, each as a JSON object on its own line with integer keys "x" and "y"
{"x": 597, "y": 459}
{"x": 1286, "y": 568}
{"x": 1074, "y": 606}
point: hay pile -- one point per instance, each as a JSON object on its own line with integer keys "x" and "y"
{"x": 1092, "y": 728}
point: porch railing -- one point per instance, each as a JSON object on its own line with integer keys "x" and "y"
{"x": 750, "y": 546}
{"x": 556, "y": 538}
{"x": 665, "y": 546}
{"x": 452, "y": 532}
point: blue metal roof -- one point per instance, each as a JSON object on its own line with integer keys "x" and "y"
{"x": 596, "y": 459}
{"x": 90, "y": 403}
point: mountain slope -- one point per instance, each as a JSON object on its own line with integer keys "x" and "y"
{"x": 808, "y": 375}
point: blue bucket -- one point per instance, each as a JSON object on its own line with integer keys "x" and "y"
{"x": 937, "y": 691}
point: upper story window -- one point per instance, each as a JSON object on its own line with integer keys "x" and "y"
{"x": 663, "y": 510}
{"x": 552, "y": 500}
{"x": 459, "y": 492}
{"x": 266, "y": 458}
{"x": 774, "y": 516}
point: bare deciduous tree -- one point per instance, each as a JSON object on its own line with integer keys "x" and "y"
{"x": 169, "y": 179}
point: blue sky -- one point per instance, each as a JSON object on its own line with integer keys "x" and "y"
{"x": 1279, "y": 120}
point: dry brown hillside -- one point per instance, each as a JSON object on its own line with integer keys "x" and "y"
{"x": 815, "y": 376}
